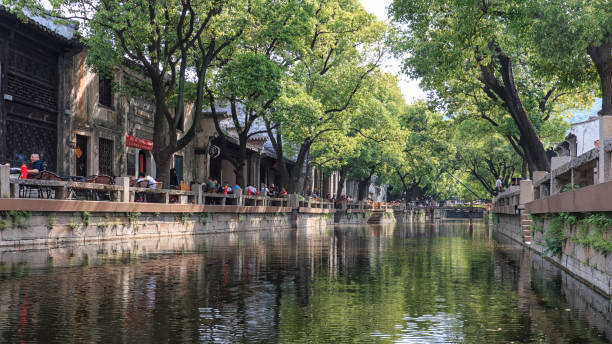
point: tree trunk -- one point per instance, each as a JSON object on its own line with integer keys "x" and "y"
{"x": 162, "y": 167}
{"x": 342, "y": 173}
{"x": 363, "y": 189}
{"x": 602, "y": 58}
{"x": 508, "y": 93}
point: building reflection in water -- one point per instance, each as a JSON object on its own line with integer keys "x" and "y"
{"x": 440, "y": 282}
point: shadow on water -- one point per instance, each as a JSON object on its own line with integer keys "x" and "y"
{"x": 435, "y": 283}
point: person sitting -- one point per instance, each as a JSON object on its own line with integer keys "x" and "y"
{"x": 265, "y": 191}
{"x": 152, "y": 184}
{"x": 37, "y": 164}
{"x": 251, "y": 189}
{"x": 283, "y": 192}
{"x": 174, "y": 182}
{"x": 236, "y": 188}
{"x": 273, "y": 191}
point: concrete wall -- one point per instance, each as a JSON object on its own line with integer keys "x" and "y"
{"x": 586, "y": 133}
{"x": 584, "y": 263}
{"x": 56, "y": 228}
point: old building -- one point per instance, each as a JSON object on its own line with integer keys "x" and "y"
{"x": 32, "y": 103}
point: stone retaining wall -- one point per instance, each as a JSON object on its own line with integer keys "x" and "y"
{"x": 586, "y": 264}
{"x": 51, "y": 228}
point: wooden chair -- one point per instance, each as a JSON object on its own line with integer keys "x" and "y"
{"x": 102, "y": 179}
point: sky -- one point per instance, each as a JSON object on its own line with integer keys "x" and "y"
{"x": 410, "y": 88}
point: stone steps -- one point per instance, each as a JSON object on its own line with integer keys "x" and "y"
{"x": 526, "y": 223}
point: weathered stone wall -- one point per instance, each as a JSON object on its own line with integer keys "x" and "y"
{"x": 56, "y": 228}
{"x": 585, "y": 263}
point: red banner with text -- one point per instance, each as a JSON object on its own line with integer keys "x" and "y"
{"x": 137, "y": 142}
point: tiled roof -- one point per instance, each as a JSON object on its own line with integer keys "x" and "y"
{"x": 66, "y": 33}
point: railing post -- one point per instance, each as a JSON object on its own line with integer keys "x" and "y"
{"x": 199, "y": 196}
{"x": 294, "y": 201}
{"x": 5, "y": 183}
{"x": 239, "y": 200}
{"x": 526, "y": 194}
{"x": 124, "y": 182}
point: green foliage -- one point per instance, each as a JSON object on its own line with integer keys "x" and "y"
{"x": 51, "y": 221}
{"x": 202, "y": 217}
{"x": 185, "y": 217}
{"x": 569, "y": 187}
{"x": 568, "y": 218}
{"x": 133, "y": 218}
{"x": 555, "y": 237}
{"x": 86, "y": 218}
{"x": 18, "y": 218}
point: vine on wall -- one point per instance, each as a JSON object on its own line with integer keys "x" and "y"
{"x": 591, "y": 230}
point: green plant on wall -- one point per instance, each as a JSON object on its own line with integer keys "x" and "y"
{"x": 569, "y": 187}
{"x": 73, "y": 224}
{"x": 555, "y": 237}
{"x": 133, "y": 219}
{"x": 86, "y": 218}
{"x": 18, "y": 218}
{"x": 51, "y": 221}
{"x": 203, "y": 216}
{"x": 599, "y": 223}
{"x": 185, "y": 217}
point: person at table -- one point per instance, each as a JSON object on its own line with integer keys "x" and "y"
{"x": 236, "y": 188}
{"x": 143, "y": 177}
{"x": 252, "y": 189}
{"x": 283, "y": 192}
{"x": 37, "y": 164}
{"x": 174, "y": 182}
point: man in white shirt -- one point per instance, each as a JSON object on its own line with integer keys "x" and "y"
{"x": 499, "y": 184}
{"x": 142, "y": 177}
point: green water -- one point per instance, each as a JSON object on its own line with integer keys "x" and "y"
{"x": 443, "y": 283}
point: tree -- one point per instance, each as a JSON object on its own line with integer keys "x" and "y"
{"x": 323, "y": 81}
{"x": 173, "y": 43}
{"x": 568, "y": 34}
{"x": 425, "y": 153}
{"x": 249, "y": 82}
{"x": 484, "y": 155}
{"x": 371, "y": 138}
{"x": 250, "y": 79}
{"x": 464, "y": 54}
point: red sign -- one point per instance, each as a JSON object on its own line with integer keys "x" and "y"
{"x": 137, "y": 142}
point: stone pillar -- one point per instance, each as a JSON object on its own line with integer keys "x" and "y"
{"x": 605, "y": 134}
{"x": 198, "y": 191}
{"x": 125, "y": 183}
{"x": 5, "y": 185}
{"x": 294, "y": 201}
{"x": 526, "y": 194}
{"x": 239, "y": 200}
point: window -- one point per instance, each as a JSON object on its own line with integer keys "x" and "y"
{"x": 131, "y": 164}
{"x": 105, "y": 94}
{"x": 105, "y": 156}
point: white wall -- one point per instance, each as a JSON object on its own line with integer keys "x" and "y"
{"x": 586, "y": 133}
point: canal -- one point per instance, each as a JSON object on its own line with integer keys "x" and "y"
{"x": 427, "y": 283}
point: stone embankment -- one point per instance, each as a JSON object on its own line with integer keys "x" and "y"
{"x": 565, "y": 216}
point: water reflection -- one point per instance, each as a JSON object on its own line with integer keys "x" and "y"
{"x": 440, "y": 282}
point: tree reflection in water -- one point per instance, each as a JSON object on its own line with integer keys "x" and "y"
{"x": 406, "y": 283}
